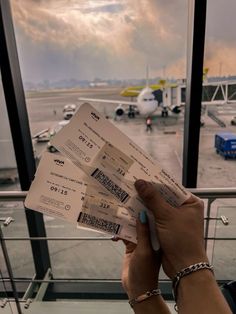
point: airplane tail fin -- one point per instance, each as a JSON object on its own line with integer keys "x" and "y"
{"x": 147, "y": 75}
{"x": 204, "y": 75}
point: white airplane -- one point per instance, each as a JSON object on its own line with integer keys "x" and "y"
{"x": 145, "y": 105}
{"x": 147, "y": 102}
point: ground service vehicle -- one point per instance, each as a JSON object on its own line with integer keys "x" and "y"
{"x": 233, "y": 121}
{"x": 53, "y": 131}
{"x": 68, "y": 114}
{"x": 225, "y": 144}
{"x": 68, "y": 111}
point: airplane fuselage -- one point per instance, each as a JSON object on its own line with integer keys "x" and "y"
{"x": 146, "y": 102}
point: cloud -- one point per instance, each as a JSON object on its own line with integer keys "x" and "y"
{"x": 65, "y": 25}
{"x": 110, "y": 8}
{"x": 221, "y": 58}
{"x": 111, "y": 38}
{"x": 121, "y": 35}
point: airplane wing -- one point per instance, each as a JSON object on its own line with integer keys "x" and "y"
{"x": 35, "y": 136}
{"x": 110, "y": 101}
{"x": 130, "y": 90}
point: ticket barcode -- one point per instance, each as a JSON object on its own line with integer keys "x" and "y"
{"x": 108, "y": 184}
{"x": 99, "y": 223}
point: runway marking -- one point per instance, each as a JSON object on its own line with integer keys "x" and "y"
{"x": 48, "y": 218}
{"x": 55, "y": 226}
{"x": 226, "y": 113}
{"x": 178, "y": 158}
{"x": 9, "y": 212}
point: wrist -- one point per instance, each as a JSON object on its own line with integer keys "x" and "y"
{"x": 199, "y": 293}
{"x": 190, "y": 261}
{"x": 147, "y": 304}
{"x": 138, "y": 289}
{"x": 144, "y": 297}
{"x": 189, "y": 272}
{"x": 195, "y": 281}
{"x": 132, "y": 294}
{"x": 200, "y": 277}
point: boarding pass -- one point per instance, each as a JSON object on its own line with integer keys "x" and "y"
{"x": 91, "y": 183}
{"x": 62, "y": 190}
{"x": 112, "y": 160}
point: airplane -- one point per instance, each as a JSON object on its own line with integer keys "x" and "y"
{"x": 146, "y": 104}
{"x": 148, "y": 99}
{"x": 158, "y": 91}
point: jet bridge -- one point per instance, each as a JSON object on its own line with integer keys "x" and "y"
{"x": 213, "y": 93}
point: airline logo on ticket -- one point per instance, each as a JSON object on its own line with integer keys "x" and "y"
{"x": 113, "y": 160}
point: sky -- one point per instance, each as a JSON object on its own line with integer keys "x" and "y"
{"x": 116, "y": 39}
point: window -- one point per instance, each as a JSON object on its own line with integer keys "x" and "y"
{"x": 219, "y": 91}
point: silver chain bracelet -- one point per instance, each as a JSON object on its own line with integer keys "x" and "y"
{"x": 186, "y": 271}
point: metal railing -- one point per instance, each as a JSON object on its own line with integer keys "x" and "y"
{"x": 41, "y": 285}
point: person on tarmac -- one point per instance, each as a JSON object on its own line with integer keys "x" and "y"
{"x": 149, "y": 124}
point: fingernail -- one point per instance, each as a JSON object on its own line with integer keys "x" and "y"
{"x": 140, "y": 184}
{"x": 143, "y": 217}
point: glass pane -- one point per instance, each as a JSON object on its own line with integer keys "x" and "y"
{"x": 101, "y": 49}
{"x": 217, "y": 163}
{"x": 21, "y": 263}
{"x": 19, "y": 252}
{"x": 224, "y": 254}
{"x": 8, "y": 169}
{"x": 84, "y": 259}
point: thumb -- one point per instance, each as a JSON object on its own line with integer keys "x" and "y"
{"x": 143, "y": 234}
{"x": 151, "y": 197}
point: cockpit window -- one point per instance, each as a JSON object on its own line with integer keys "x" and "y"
{"x": 148, "y": 99}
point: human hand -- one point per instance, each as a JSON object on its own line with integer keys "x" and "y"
{"x": 180, "y": 230}
{"x": 141, "y": 264}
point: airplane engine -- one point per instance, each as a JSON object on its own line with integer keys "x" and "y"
{"x": 119, "y": 111}
{"x": 175, "y": 109}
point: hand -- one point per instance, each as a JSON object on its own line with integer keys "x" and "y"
{"x": 180, "y": 230}
{"x": 141, "y": 265}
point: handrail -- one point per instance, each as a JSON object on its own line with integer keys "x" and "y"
{"x": 88, "y": 238}
{"x": 7, "y": 196}
{"x": 205, "y": 193}
{"x": 15, "y": 196}
{"x": 210, "y": 193}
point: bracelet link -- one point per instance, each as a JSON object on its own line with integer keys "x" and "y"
{"x": 144, "y": 297}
